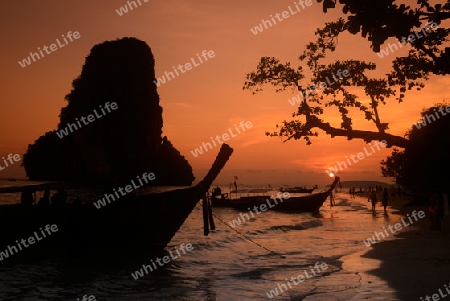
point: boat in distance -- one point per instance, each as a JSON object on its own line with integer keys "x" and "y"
{"x": 308, "y": 203}
{"x": 140, "y": 221}
{"x": 297, "y": 189}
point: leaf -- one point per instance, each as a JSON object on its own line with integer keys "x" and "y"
{"x": 328, "y": 4}
{"x": 345, "y": 9}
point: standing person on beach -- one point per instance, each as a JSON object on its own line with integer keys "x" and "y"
{"x": 434, "y": 210}
{"x": 373, "y": 198}
{"x": 385, "y": 199}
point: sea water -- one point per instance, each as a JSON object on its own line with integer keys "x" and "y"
{"x": 242, "y": 263}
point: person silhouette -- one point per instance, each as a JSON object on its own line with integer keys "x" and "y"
{"x": 59, "y": 198}
{"x": 385, "y": 199}
{"x": 373, "y": 198}
{"x": 45, "y": 200}
{"x": 435, "y": 210}
{"x": 27, "y": 197}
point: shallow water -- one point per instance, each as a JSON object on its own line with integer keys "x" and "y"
{"x": 221, "y": 266}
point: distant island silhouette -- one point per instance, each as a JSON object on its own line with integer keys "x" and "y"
{"x": 120, "y": 144}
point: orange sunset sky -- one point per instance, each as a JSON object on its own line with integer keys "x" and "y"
{"x": 205, "y": 101}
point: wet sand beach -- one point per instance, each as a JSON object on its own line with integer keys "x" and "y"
{"x": 411, "y": 267}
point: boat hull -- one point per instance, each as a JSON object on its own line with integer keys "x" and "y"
{"x": 310, "y": 203}
{"x": 133, "y": 223}
{"x": 297, "y": 190}
{"x": 144, "y": 223}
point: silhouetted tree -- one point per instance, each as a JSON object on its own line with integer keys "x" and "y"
{"x": 424, "y": 164}
{"x": 338, "y": 93}
{"x": 44, "y": 168}
{"x": 122, "y": 143}
{"x": 378, "y": 20}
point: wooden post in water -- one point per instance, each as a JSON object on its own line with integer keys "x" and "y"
{"x": 210, "y": 215}
{"x": 205, "y": 215}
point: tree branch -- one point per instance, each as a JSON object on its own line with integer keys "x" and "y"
{"x": 367, "y": 136}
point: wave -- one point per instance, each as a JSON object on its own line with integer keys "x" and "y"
{"x": 301, "y": 226}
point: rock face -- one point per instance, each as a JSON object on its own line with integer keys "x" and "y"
{"x": 119, "y": 144}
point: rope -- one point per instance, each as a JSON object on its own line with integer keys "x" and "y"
{"x": 247, "y": 238}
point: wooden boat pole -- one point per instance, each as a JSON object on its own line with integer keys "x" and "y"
{"x": 205, "y": 215}
{"x": 336, "y": 180}
{"x": 210, "y": 216}
{"x": 221, "y": 159}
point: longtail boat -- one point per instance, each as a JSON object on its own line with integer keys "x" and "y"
{"x": 297, "y": 189}
{"x": 138, "y": 221}
{"x": 308, "y": 203}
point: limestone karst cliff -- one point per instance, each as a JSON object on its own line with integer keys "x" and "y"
{"x": 118, "y": 142}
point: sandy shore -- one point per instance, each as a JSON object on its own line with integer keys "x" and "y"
{"x": 414, "y": 265}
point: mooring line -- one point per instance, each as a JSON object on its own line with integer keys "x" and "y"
{"x": 247, "y": 238}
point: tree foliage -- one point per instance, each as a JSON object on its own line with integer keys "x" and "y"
{"x": 338, "y": 93}
{"x": 377, "y": 21}
{"x": 423, "y": 165}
